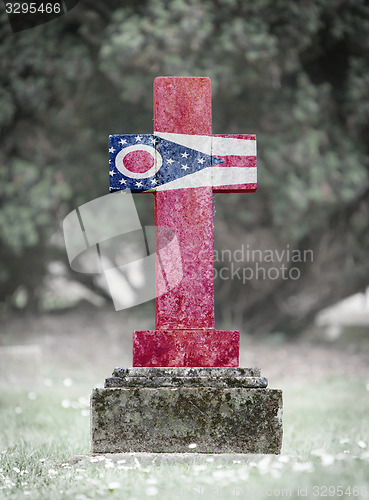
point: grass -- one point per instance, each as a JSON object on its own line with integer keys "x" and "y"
{"x": 325, "y": 451}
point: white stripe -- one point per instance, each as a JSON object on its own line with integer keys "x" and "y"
{"x": 214, "y": 177}
{"x": 234, "y": 175}
{"x": 218, "y": 146}
{"x": 197, "y": 179}
{"x": 225, "y": 146}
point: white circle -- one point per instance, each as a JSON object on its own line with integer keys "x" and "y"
{"x": 158, "y": 161}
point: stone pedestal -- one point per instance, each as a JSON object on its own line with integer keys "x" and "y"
{"x": 179, "y": 348}
{"x": 170, "y": 410}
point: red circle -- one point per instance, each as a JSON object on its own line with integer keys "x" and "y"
{"x": 138, "y": 162}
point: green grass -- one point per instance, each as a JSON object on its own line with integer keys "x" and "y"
{"x": 326, "y": 426}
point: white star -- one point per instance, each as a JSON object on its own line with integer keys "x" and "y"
{"x": 170, "y": 161}
{"x": 185, "y": 167}
{"x": 154, "y": 181}
{"x": 111, "y": 150}
{"x": 184, "y": 155}
{"x": 138, "y": 184}
{"x": 201, "y": 160}
{"x": 122, "y": 142}
{"x": 112, "y": 173}
{"x": 122, "y": 181}
{"x": 138, "y": 138}
{"x": 153, "y": 140}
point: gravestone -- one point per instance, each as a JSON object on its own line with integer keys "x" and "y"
{"x": 185, "y": 391}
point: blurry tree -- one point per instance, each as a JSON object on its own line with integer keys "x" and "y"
{"x": 294, "y": 73}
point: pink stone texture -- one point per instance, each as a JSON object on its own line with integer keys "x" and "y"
{"x": 185, "y": 334}
{"x": 185, "y": 348}
{"x": 190, "y": 213}
{"x": 183, "y": 106}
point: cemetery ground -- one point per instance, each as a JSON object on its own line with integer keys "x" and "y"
{"x": 44, "y": 424}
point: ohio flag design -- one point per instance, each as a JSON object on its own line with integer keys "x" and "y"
{"x": 161, "y": 161}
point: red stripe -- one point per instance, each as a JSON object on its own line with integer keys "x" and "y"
{"x": 236, "y": 188}
{"x": 250, "y": 137}
{"x": 236, "y": 161}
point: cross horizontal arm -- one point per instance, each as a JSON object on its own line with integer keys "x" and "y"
{"x": 165, "y": 161}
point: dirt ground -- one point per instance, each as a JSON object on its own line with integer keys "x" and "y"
{"x": 87, "y": 343}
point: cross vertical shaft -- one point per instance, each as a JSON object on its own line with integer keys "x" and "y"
{"x": 183, "y": 106}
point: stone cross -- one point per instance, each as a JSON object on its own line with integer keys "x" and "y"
{"x": 183, "y": 164}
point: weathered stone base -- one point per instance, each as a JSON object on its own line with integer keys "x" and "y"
{"x": 127, "y": 416}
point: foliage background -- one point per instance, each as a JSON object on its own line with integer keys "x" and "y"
{"x": 294, "y": 73}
